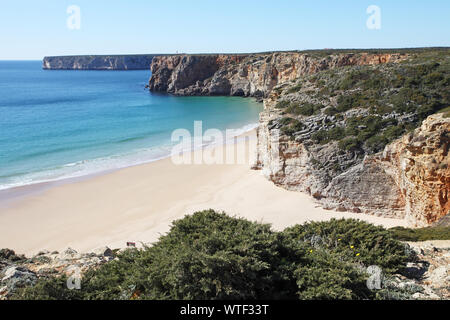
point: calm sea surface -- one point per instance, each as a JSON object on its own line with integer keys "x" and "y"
{"x": 61, "y": 124}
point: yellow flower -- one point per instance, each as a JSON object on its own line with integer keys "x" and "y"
{"x": 352, "y": 247}
{"x": 310, "y": 251}
{"x": 357, "y": 254}
{"x": 339, "y": 239}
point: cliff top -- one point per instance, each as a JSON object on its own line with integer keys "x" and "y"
{"x": 326, "y": 51}
{"x": 107, "y": 55}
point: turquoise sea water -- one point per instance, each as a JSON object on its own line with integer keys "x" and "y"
{"x": 60, "y": 124}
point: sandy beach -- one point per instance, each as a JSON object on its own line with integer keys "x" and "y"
{"x": 139, "y": 203}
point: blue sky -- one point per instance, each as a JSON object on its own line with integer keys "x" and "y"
{"x": 31, "y": 29}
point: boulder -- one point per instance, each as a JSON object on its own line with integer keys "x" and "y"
{"x": 10, "y": 255}
{"x": 103, "y": 252}
{"x": 68, "y": 254}
{"x": 438, "y": 277}
{"x": 414, "y": 270}
{"x": 18, "y": 277}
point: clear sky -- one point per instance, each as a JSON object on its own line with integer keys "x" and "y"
{"x": 31, "y": 29}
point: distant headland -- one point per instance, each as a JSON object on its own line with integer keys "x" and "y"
{"x": 99, "y": 62}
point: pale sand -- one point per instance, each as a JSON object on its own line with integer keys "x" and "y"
{"x": 139, "y": 203}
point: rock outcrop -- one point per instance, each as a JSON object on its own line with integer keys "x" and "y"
{"x": 419, "y": 164}
{"x": 98, "y": 62}
{"x": 299, "y": 165}
{"x": 410, "y": 179}
{"x": 249, "y": 75}
{"x": 18, "y": 271}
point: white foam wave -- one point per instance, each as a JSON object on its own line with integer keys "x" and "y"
{"x": 100, "y": 165}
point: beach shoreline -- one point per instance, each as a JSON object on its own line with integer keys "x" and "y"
{"x": 18, "y": 192}
{"x": 139, "y": 203}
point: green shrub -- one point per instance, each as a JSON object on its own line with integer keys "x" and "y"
{"x": 213, "y": 256}
{"x": 325, "y": 276}
{"x": 433, "y": 77}
{"x": 48, "y": 289}
{"x": 295, "y": 88}
{"x": 446, "y": 112}
{"x": 331, "y": 111}
{"x": 282, "y": 104}
{"x": 347, "y": 102}
{"x": 354, "y": 241}
{"x": 293, "y": 127}
{"x": 417, "y": 87}
{"x": 324, "y": 136}
{"x": 320, "y": 136}
{"x": 421, "y": 234}
{"x": 210, "y": 255}
{"x": 349, "y": 144}
{"x": 352, "y": 79}
{"x": 117, "y": 280}
{"x": 376, "y": 143}
{"x": 285, "y": 121}
{"x": 305, "y": 109}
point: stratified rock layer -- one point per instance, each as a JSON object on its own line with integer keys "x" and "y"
{"x": 420, "y": 166}
{"x": 409, "y": 179}
{"x": 365, "y": 187}
{"x": 245, "y": 74}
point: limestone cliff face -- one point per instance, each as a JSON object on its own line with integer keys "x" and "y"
{"x": 420, "y": 166}
{"x": 410, "y": 179}
{"x": 108, "y": 62}
{"x": 364, "y": 187}
{"x": 245, "y": 74}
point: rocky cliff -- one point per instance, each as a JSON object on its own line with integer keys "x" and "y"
{"x": 98, "y": 62}
{"x": 339, "y": 126}
{"x": 409, "y": 179}
{"x": 420, "y": 166}
{"x": 245, "y": 74}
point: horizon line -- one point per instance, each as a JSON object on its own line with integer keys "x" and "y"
{"x": 230, "y": 53}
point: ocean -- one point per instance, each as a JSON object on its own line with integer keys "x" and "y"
{"x": 65, "y": 124}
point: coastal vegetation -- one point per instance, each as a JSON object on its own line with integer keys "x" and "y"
{"x": 421, "y": 234}
{"x": 210, "y": 255}
{"x": 370, "y": 105}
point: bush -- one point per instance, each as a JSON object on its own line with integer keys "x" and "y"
{"x": 320, "y": 136}
{"x": 349, "y": 144}
{"x": 325, "y": 136}
{"x": 355, "y": 241}
{"x": 325, "y": 276}
{"x": 210, "y": 255}
{"x": 282, "y": 104}
{"x": 285, "y": 121}
{"x": 112, "y": 281}
{"x": 305, "y": 109}
{"x": 293, "y": 127}
{"x": 421, "y": 234}
{"x": 213, "y": 256}
{"x": 48, "y": 289}
{"x": 295, "y": 88}
{"x": 446, "y": 112}
{"x": 346, "y": 103}
{"x": 331, "y": 111}
{"x": 376, "y": 143}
